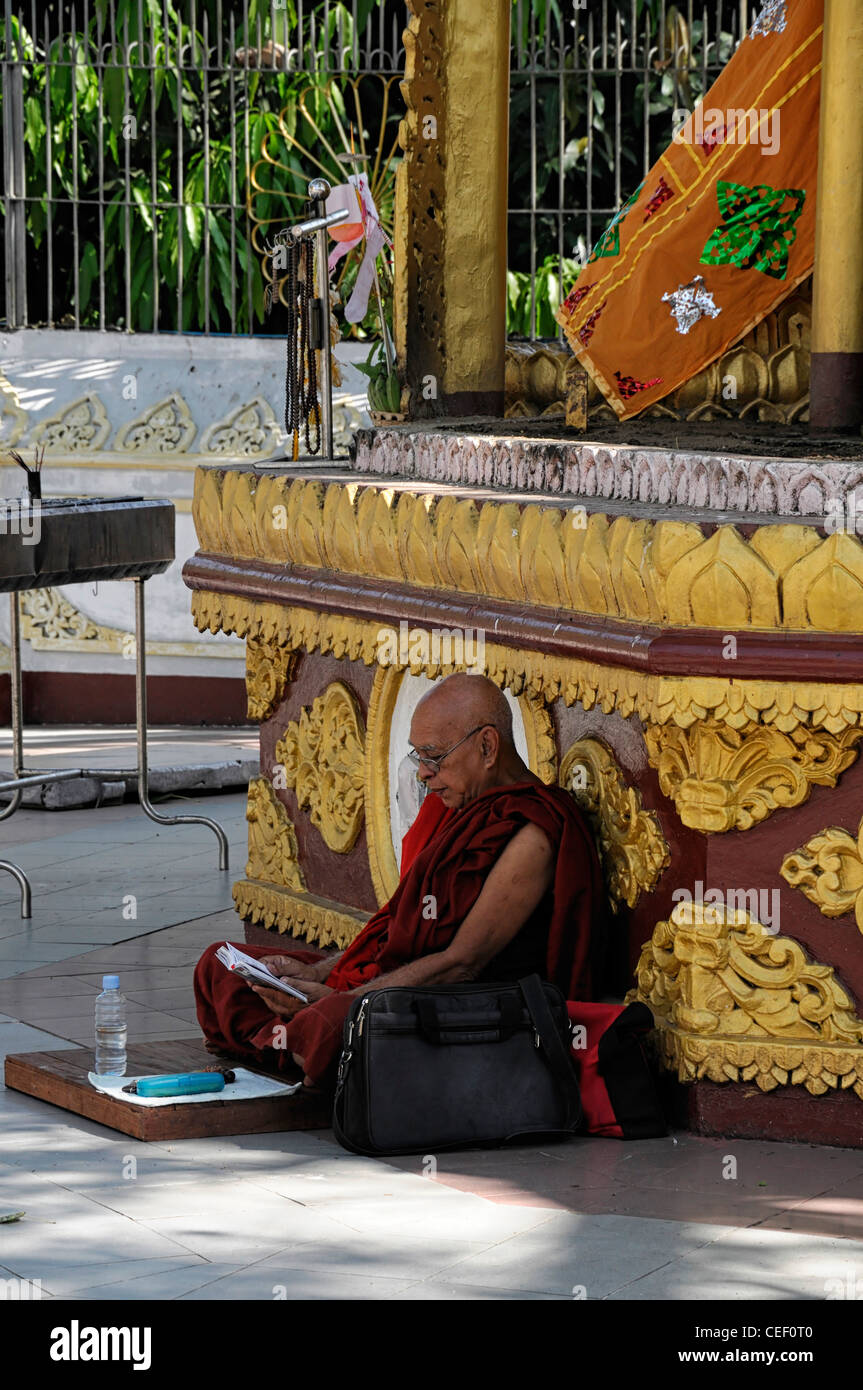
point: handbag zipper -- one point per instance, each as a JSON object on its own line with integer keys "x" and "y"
{"x": 361, "y": 1016}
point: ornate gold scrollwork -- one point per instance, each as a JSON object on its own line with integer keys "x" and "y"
{"x": 730, "y": 779}
{"x": 269, "y": 668}
{"x": 539, "y": 736}
{"x": 681, "y": 701}
{"x": 632, "y": 847}
{"x": 297, "y": 914}
{"x": 829, "y": 870}
{"x": 323, "y": 756}
{"x": 273, "y": 850}
{"x": 734, "y": 1003}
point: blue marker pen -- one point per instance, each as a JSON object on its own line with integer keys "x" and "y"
{"x": 188, "y": 1083}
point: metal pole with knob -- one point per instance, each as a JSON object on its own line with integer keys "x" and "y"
{"x": 319, "y": 191}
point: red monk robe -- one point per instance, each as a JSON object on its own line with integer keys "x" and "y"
{"x": 446, "y": 857}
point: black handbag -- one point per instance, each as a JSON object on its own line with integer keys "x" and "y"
{"x": 452, "y": 1066}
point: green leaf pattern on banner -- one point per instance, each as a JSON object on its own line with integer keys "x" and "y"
{"x": 609, "y": 242}
{"x": 757, "y": 230}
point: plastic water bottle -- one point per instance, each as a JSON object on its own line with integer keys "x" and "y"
{"x": 110, "y": 1029}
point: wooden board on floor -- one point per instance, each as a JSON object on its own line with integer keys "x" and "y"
{"x": 61, "y": 1079}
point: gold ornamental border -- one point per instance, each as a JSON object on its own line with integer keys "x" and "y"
{"x": 678, "y": 700}
{"x": 542, "y": 760}
{"x": 782, "y": 577}
{"x": 293, "y": 913}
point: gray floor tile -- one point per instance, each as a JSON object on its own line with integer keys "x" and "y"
{"x": 23, "y": 947}
{"x": 19, "y": 1037}
{"x": 597, "y": 1253}
{"x": 434, "y": 1290}
{"x": 396, "y": 1256}
{"x": 67, "y": 1282}
{"x": 755, "y": 1264}
{"x": 282, "y": 1283}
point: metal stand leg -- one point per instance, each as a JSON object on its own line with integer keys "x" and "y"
{"x": 141, "y": 717}
{"x": 17, "y": 747}
{"x": 15, "y": 681}
{"x": 23, "y": 883}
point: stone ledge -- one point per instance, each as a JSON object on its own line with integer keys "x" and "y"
{"x": 491, "y": 454}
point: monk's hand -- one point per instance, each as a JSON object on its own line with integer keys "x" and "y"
{"x": 284, "y": 1005}
{"x": 287, "y": 967}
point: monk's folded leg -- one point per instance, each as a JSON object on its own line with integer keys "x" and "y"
{"x": 231, "y": 1014}
{"x": 315, "y": 1034}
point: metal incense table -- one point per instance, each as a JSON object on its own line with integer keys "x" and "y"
{"x": 80, "y": 540}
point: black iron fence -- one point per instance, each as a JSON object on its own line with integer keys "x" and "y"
{"x": 151, "y": 147}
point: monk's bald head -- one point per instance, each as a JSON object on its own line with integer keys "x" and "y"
{"x": 463, "y": 702}
{"x": 461, "y": 732}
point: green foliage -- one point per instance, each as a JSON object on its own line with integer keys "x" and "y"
{"x": 550, "y": 290}
{"x": 384, "y": 387}
{"x": 178, "y": 229}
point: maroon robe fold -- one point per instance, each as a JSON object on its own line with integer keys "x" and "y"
{"x": 450, "y": 870}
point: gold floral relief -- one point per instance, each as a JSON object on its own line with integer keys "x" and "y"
{"x": 632, "y": 848}
{"x": 269, "y": 669}
{"x": 732, "y": 1002}
{"x": 723, "y": 778}
{"x": 273, "y": 850}
{"x": 829, "y": 871}
{"x": 677, "y": 701}
{"x": 294, "y": 913}
{"x": 323, "y": 755}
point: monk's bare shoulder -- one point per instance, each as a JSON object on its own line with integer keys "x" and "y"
{"x": 533, "y": 841}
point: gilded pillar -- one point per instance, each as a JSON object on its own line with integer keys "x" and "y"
{"x": 451, "y": 200}
{"x": 837, "y": 328}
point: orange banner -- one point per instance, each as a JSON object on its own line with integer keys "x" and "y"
{"x": 721, "y": 230}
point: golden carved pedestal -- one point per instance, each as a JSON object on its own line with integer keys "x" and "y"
{"x": 696, "y": 685}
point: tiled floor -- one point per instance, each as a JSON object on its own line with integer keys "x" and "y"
{"x": 293, "y": 1215}
{"x": 62, "y": 745}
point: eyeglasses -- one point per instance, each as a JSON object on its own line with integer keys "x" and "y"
{"x": 434, "y": 763}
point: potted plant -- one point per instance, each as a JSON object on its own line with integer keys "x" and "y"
{"x": 384, "y": 390}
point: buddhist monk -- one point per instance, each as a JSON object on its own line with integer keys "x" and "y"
{"x": 499, "y": 879}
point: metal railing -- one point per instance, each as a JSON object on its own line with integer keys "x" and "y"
{"x": 130, "y": 128}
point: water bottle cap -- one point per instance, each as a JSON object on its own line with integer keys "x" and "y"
{"x": 110, "y": 981}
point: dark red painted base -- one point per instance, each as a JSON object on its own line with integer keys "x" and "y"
{"x": 789, "y": 1113}
{"x": 75, "y": 697}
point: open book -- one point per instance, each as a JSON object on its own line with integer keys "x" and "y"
{"x": 255, "y": 971}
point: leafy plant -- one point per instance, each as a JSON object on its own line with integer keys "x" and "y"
{"x": 147, "y": 219}
{"x": 384, "y": 386}
{"x": 552, "y": 280}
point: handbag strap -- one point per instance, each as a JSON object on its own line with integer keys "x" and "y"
{"x": 556, "y": 1054}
